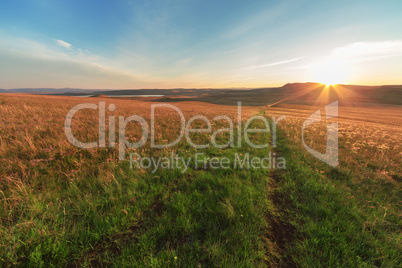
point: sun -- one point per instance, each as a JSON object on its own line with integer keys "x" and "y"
{"x": 330, "y": 73}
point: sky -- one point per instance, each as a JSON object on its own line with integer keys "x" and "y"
{"x": 129, "y": 44}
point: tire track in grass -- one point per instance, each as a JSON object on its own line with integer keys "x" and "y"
{"x": 326, "y": 210}
{"x": 283, "y": 234}
{"x": 227, "y": 212}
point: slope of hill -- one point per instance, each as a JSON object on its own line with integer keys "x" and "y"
{"x": 307, "y": 94}
{"x": 291, "y": 93}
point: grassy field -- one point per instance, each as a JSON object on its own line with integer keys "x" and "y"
{"x": 349, "y": 215}
{"x": 65, "y": 206}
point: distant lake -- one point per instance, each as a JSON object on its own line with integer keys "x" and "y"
{"x": 124, "y": 96}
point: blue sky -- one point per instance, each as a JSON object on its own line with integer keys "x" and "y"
{"x": 170, "y": 44}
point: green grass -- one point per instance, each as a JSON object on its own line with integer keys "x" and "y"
{"x": 109, "y": 214}
{"x": 340, "y": 218}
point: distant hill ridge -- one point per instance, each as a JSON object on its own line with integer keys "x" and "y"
{"x": 177, "y": 90}
{"x": 294, "y": 93}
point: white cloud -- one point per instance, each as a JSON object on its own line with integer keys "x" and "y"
{"x": 367, "y": 51}
{"x": 63, "y": 43}
{"x": 343, "y": 64}
{"x": 355, "y": 53}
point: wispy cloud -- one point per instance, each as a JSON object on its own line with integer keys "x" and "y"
{"x": 275, "y": 63}
{"x": 63, "y": 43}
{"x": 254, "y": 21}
{"x": 38, "y": 59}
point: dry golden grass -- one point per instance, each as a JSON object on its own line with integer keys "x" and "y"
{"x": 32, "y": 127}
{"x": 350, "y": 214}
{"x": 58, "y": 202}
{"x": 367, "y": 135}
{"x": 35, "y": 155}
{"x": 48, "y": 187}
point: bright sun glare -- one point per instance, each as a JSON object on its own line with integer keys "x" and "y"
{"x": 330, "y": 73}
